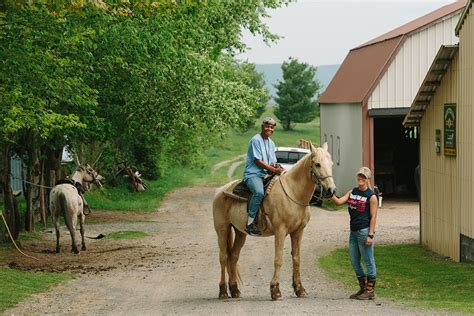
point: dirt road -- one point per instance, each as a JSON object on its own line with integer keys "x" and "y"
{"x": 176, "y": 271}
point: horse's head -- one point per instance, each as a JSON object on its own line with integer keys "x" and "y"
{"x": 321, "y": 170}
{"x": 90, "y": 176}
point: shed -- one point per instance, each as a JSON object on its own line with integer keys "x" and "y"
{"x": 363, "y": 107}
{"x": 443, "y": 110}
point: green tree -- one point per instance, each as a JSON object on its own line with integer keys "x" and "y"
{"x": 256, "y": 81}
{"x": 297, "y": 94}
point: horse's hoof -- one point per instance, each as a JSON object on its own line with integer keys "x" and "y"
{"x": 299, "y": 290}
{"x": 83, "y": 248}
{"x": 275, "y": 292}
{"x": 223, "y": 291}
{"x": 234, "y": 291}
{"x": 75, "y": 251}
{"x": 301, "y": 293}
{"x": 58, "y": 250}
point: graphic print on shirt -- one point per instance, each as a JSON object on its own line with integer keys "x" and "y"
{"x": 357, "y": 202}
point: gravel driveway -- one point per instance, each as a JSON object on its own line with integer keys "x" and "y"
{"x": 181, "y": 277}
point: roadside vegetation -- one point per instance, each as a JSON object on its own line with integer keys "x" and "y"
{"x": 17, "y": 285}
{"x": 413, "y": 275}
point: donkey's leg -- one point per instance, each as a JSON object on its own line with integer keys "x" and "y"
{"x": 234, "y": 274}
{"x": 82, "y": 218}
{"x": 295, "y": 254}
{"x": 222, "y": 236}
{"x": 71, "y": 226}
{"x": 280, "y": 235}
{"x": 56, "y": 227}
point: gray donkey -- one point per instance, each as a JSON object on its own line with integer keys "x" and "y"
{"x": 66, "y": 200}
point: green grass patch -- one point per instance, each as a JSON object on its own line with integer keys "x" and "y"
{"x": 16, "y": 285}
{"x": 413, "y": 275}
{"x": 31, "y": 236}
{"x": 122, "y": 198}
{"x": 128, "y": 234}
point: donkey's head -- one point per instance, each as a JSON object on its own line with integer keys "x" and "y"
{"x": 321, "y": 169}
{"x": 89, "y": 176}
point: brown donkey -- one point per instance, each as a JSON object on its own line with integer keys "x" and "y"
{"x": 287, "y": 212}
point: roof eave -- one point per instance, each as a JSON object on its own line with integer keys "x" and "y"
{"x": 462, "y": 17}
{"x": 430, "y": 84}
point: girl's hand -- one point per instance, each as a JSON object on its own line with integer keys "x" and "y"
{"x": 369, "y": 241}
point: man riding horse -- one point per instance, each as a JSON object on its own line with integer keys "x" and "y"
{"x": 261, "y": 159}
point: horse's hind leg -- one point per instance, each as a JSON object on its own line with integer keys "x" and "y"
{"x": 295, "y": 254}
{"x": 82, "y": 218}
{"x": 222, "y": 236}
{"x": 234, "y": 274}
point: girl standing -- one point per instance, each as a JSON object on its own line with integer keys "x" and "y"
{"x": 362, "y": 206}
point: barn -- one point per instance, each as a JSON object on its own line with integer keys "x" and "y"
{"x": 363, "y": 107}
{"x": 443, "y": 110}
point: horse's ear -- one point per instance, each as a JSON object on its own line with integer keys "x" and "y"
{"x": 325, "y": 146}
{"x": 313, "y": 149}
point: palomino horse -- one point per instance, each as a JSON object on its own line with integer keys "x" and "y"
{"x": 287, "y": 212}
{"x": 65, "y": 199}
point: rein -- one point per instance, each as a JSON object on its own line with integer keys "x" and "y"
{"x": 319, "y": 180}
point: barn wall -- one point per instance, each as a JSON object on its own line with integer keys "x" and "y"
{"x": 442, "y": 177}
{"x": 399, "y": 85}
{"x": 341, "y": 128}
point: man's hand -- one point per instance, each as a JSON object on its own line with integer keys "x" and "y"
{"x": 277, "y": 170}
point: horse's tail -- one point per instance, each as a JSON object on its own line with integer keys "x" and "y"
{"x": 230, "y": 244}
{"x": 66, "y": 215}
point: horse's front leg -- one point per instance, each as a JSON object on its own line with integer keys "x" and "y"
{"x": 82, "y": 219}
{"x": 280, "y": 235}
{"x": 295, "y": 254}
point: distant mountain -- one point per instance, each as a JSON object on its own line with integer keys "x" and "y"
{"x": 273, "y": 74}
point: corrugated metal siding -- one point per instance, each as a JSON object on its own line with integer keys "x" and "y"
{"x": 341, "y": 127}
{"x": 442, "y": 176}
{"x": 466, "y": 56}
{"x": 400, "y": 83}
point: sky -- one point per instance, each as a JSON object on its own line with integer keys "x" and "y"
{"x": 321, "y": 32}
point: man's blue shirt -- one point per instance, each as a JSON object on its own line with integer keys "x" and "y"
{"x": 261, "y": 149}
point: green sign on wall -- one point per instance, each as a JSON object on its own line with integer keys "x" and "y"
{"x": 450, "y": 129}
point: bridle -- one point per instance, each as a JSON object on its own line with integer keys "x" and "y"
{"x": 317, "y": 179}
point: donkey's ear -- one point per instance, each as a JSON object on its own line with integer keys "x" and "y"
{"x": 325, "y": 146}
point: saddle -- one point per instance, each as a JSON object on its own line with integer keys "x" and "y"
{"x": 240, "y": 192}
{"x": 77, "y": 185}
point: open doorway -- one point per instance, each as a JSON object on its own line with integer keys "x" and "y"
{"x": 396, "y": 155}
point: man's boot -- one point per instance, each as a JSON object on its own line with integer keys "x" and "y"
{"x": 362, "y": 285}
{"x": 369, "y": 292}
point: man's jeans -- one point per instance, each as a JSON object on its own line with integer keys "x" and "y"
{"x": 358, "y": 249}
{"x": 255, "y": 185}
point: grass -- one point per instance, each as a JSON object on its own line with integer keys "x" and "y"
{"x": 413, "y": 275}
{"x": 17, "y": 285}
{"x": 129, "y": 234}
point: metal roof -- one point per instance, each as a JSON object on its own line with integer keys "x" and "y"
{"x": 430, "y": 84}
{"x": 421, "y": 22}
{"x": 363, "y": 67}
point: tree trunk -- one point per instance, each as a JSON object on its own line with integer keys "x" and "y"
{"x": 32, "y": 187}
{"x": 11, "y": 214}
